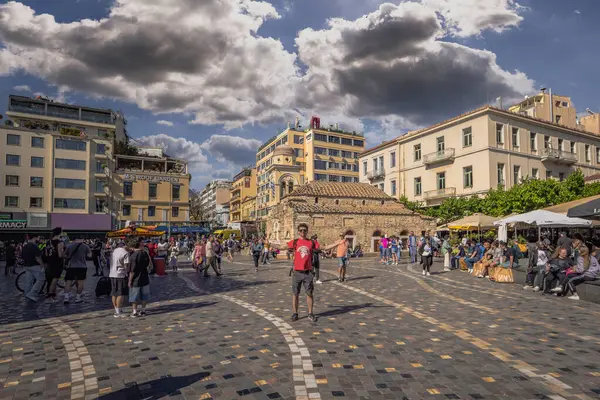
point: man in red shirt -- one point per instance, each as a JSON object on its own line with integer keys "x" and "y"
{"x": 303, "y": 250}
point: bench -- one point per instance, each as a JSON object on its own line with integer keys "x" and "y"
{"x": 588, "y": 291}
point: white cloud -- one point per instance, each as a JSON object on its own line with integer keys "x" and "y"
{"x": 165, "y": 123}
{"x": 232, "y": 149}
{"x": 207, "y": 59}
{"x": 22, "y": 88}
{"x": 178, "y": 148}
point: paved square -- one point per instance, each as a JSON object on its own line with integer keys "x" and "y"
{"x": 385, "y": 333}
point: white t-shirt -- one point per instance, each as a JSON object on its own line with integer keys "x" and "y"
{"x": 542, "y": 258}
{"x": 209, "y": 249}
{"x": 162, "y": 249}
{"x": 118, "y": 262}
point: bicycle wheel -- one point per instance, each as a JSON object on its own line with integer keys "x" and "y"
{"x": 20, "y": 282}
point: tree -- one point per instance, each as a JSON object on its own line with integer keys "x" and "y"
{"x": 123, "y": 147}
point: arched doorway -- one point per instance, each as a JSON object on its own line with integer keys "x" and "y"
{"x": 286, "y": 185}
{"x": 375, "y": 238}
{"x": 351, "y": 238}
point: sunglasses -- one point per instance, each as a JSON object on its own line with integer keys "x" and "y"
{"x": 302, "y": 230}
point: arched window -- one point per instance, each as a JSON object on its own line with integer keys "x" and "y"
{"x": 316, "y": 200}
{"x": 290, "y": 187}
{"x": 337, "y": 202}
{"x": 363, "y": 202}
{"x": 281, "y": 190}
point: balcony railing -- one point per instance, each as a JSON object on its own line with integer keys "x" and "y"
{"x": 438, "y": 156}
{"x": 377, "y": 174}
{"x": 558, "y": 156}
{"x": 440, "y": 193}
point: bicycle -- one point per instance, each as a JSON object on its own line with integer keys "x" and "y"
{"x": 21, "y": 279}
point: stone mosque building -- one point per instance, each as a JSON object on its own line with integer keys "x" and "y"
{"x": 363, "y": 213}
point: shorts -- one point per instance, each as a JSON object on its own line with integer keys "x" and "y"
{"x": 78, "y": 274}
{"x": 303, "y": 278}
{"x": 139, "y": 294}
{"x": 505, "y": 264}
{"x": 53, "y": 271}
{"x": 119, "y": 287}
{"x": 342, "y": 261}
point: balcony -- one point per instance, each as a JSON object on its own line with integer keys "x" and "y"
{"x": 558, "y": 156}
{"x": 440, "y": 193}
{"x": 438, "y": 156}
{"x": 377, "y": 174}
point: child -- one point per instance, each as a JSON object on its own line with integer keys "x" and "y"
{"x": 173, "y": 257}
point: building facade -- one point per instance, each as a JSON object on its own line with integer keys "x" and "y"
{"x": 469, "y": 154}
{"x": 313, "y": 154}
{"x": 150, "y": 188}
{"x": 243, "y": 186}
{"x": 214, "y": 199}
{"x": 361, "y": 212}
{"x": 43, "y": 114}
{"x": 55, "y": 179}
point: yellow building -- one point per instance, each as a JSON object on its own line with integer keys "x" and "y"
{"x": 482, "y": 149}
{"x": 249, "y": 209}
{"x": 243, "y": 186}
{"x": 150, "y": 188}
{"x": 295, "y": 157}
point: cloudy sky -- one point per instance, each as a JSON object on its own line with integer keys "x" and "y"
{"x": 211, "y": 79}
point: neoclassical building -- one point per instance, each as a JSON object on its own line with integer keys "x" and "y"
{"x": 363, "y": 213}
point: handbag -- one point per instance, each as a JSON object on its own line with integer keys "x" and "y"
{"x": 504, "y": 275}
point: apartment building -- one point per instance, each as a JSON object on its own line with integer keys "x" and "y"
{"x": 471, "y": 153}
{"x": 214, "y": 199}
{"x": 295, "y": 157}
{"x": 43, "y": 114}
{"x": 150, "y": 188}
{"x": 243, "y": 186}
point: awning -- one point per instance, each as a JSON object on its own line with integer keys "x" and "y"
{"x": 473, "y": 222}
{"x": 588, "y": 210}
{"x": 543, "y": 218}
{"x": 140, "y": 231}
{"x": 564, "y": 208}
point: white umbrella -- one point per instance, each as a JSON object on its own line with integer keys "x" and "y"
{"x": 544, "y": 218}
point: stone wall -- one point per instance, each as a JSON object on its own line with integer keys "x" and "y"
{"x": 283, "y": 221}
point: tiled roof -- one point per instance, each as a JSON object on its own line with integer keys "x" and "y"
{"x": 391, "y": 208}
{"x": 340, "y": 189}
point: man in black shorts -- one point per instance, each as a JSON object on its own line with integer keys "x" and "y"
{"x": 77, "y": 254}
{"x": 303, "y": 275}
{"x": 119, "y": 266}
{"x": 54, "y": 259}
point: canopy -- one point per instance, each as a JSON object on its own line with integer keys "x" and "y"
{"x": 133, "y": 231}
{"x": 544, "y": 218}
{"x": 473, "y": 222}
{"x": 588, "y": 210}
{"x": 564, "y": 208}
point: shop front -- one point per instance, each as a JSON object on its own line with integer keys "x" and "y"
{"x": 82, "y": 225}
{"x": 19, "y": 225}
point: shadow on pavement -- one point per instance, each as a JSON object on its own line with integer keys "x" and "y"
{"x": 347, "y": 309}
{"x": 156, "y": 389}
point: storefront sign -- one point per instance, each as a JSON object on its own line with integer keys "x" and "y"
{"x": 151, "y": 178}
{"x": 13, "y": 224}
{"x": 6, "y": 216}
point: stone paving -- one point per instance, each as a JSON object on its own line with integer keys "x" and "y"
{"x": 386, "y": 333}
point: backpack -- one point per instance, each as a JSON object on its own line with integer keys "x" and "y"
{"x": 103, "y": 287}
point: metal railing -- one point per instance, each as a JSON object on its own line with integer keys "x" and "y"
{"x": 440, "y": 193}
{"x": 438, "y": 156}
{"x": 560, "y": 156}
{"x": 376, "y": 174}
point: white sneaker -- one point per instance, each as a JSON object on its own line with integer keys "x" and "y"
{"x": 78, "y": 299}
{"x": 319, "y": 281}
{"x": 574, "y": 297}
{"x": 67, "y": 298}
{"x": 428, "y": 274}
{"x": 557, "y": 289}
{"x": 536, "y": 289}
{"x": 423, "y": 273}
{"x": 447, "y": 269}
{"x": 526, "y": 287}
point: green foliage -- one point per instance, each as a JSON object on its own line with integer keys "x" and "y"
{"x": 531, "y": 194}
{"x": 124, "y": 148}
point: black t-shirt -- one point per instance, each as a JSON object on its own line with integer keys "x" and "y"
{"x": 508, "y": 253}
{"x": 51, "y": 254}
{"x": 140, "y": 260}
{"x": 29, "y": 253}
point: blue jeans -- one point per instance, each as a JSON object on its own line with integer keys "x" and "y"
{"x": 412, "y": 251}
{"x": 34, "y": 282}
{"x": 470, "y": 261}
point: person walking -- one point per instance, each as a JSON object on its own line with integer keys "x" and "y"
{"x": 446, "y": 250}
{"x": 139, "y": 282}
{"x": 266, "y": 251}
{"x": 341, "y": 247}
{"x": 412, "y": 247}
{"x": 34, "y": 269}
{"x": 77, "y": 254}
{"x": 119, "y": 266}
{"x": 211, "y": 259}
{"x": 54, "y": 262}
{"x": 256, "y": 249}
{"x": 316, "y": 260}
{"x": 96, "y": 253}
{"x": 426, "y": 251}
{"x": 302, "y": 276}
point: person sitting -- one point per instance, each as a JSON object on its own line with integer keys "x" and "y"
{"x": 487, "y": 259}
{"x": 560, "y": 263}
{"x": 455, "y": 260}
{"x": 474, "y": 257}
{"x": 586, "y": 269}
{"x": 538, "y": 258}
